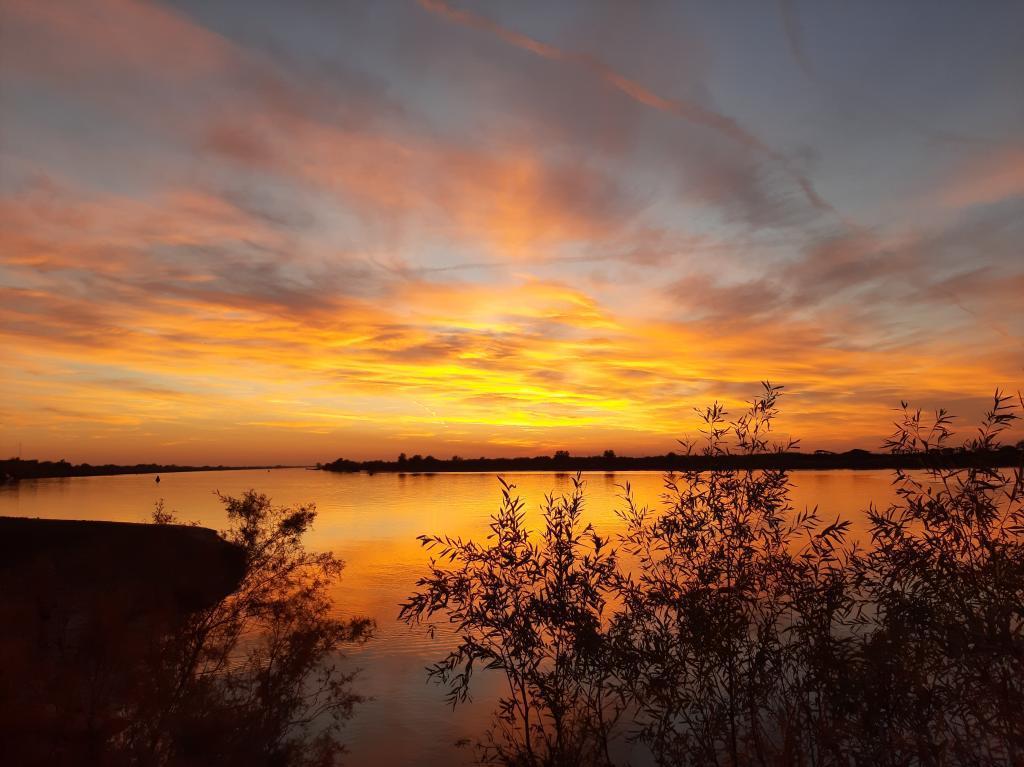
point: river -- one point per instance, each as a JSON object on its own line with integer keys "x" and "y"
{"x": 372, "y": 522}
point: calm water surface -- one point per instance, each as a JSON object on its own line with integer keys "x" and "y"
{"x": 372, "y": 523}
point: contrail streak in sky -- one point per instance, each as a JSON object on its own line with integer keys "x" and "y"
{"x": 687, "y": 110}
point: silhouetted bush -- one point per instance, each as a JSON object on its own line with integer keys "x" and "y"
{"x": 537, "y": 613}
{"x": 730, "y": 628}
{"x": 943, "y": 645}
{"x": 731, "y": 612}
{"x": 122, "y": 678}
{"x": 255, "y": 678}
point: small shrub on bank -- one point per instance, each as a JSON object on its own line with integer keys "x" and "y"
{"x": 537, "y": 612}
{"x": 255, "y": 678}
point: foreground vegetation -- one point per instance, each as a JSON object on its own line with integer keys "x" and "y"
{"x": 126, "y": 672}
{"x": 729, "y": 628}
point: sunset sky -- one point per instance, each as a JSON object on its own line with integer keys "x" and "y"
{"x": 290, "y": 231}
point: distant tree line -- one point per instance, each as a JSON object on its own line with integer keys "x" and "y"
{"x": 789, "y": 460}
{"x": 13, "y": 469}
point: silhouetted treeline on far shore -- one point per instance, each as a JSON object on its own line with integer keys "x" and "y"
{"x": 13, "y": 469}
{"x": 562, "y": 461}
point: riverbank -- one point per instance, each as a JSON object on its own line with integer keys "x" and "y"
{"x": 66, "y": 562}
{"x": 788, "y": 461}
{"x": 14, "y": 469}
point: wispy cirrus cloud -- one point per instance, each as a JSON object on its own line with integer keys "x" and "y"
{"x": 995, "y": 177}
{"x": 690, "y": 111}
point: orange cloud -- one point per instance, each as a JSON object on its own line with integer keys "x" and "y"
{"x": 510, "y": 198}
{"x": 533, "y": 364}
{"x": 999, "y": 176}
{"x": 129, "y": 35}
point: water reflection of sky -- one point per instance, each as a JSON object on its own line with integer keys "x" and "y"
{"x": 372, "y": 522}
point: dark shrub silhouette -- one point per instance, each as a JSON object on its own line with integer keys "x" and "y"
{"x": 730, "y": 628}
{"x": 536, "y": 612}
{"x": 943, "y": 647}
{"x": 731, "y": 612}
{"x": 251, "y": 679}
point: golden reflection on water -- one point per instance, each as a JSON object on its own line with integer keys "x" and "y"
{"x": 372, "y": 523}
